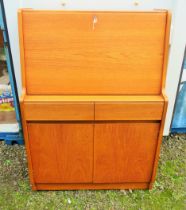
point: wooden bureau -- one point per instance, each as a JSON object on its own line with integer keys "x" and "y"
{"x": 93, "y": 103}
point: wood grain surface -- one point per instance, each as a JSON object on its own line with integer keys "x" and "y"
{"x": 157, "y": 155}
{"x": 61, "y": 153}
{"x": 59, "y": 111}
{"x": 128, "y": 111}
{"x": 26, "y": 141}
{"x": 124, "y": 152}
{"x": 93, "y": 98}
{"x": 63, "y": 54}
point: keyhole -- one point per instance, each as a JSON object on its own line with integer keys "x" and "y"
{"x": 95, "y": 20}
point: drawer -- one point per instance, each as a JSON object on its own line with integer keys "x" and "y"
{"x": 58, "y": 111}
{"x": 129, "y": 110}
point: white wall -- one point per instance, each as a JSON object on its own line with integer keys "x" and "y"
{"x": 177, "y": 39}
{"x": 178, "y": 42}
{"x": 98, "y": 4}
{"x": 11, "y": 8}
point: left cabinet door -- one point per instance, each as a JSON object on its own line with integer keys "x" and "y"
{"x": 61, "y": 152}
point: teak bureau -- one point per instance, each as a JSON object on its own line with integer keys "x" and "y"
{"x": 93, "y": 103}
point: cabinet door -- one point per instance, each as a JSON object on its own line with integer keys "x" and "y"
{"x": 124, "y": 152}
{"x": 61, "y": 152}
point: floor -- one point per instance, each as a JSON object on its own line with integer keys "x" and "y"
{"x": 168, "y": 192}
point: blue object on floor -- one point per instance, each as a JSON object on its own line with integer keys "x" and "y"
{"x": 179, "y": 120}
{"x": 12, "y": 138}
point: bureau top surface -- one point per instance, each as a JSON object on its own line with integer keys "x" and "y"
{"x": 106, "y": 53}
{"x": 93, "y": 98}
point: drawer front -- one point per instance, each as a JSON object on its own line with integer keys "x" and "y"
{"x": 129, "y": 111}
{"x": 59, "y": 111}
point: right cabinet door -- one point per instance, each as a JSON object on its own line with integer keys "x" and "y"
{"x": 124, "y": 152}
